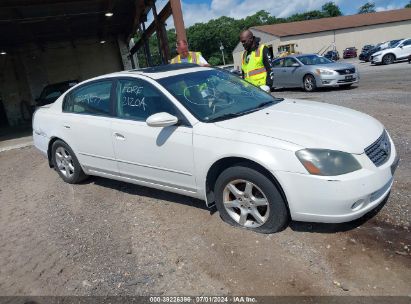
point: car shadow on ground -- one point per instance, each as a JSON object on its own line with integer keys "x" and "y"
{"x": 150, "y": 193}
{"x": 339, "y": 227}
{"x": 200, "y": 204}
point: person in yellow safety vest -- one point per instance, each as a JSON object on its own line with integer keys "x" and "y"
{"x": 256, "y": 62}
{"x": 185, "y": 56}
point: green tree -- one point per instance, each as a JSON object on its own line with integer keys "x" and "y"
{"x": 368, "y": 7}
{"x": 408, "y": 5}
{"x": 330, "y": 9}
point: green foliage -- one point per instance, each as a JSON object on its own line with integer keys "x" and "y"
{"x": 330, "y": 9}
{"x": 206, "y": 37}
{"x": 408, "y": 5}
{"x": 368, "y": 7}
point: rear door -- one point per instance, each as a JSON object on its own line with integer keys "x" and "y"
{"x": 405, "y": 51}
{"x": 86, "y": 124}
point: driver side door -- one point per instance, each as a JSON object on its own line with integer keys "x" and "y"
{"x": 290, "y": 73}
{"x": 154, "y": 156}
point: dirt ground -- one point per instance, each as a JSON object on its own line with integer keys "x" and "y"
{"x": 105, "y": 237}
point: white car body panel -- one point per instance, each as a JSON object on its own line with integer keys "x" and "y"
{"x": 178, "y": 158}
{"x": 149, "y": 154}
{"x": 400, "y": 52}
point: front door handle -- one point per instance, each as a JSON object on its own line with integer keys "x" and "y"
{"x": 119, "y": 136}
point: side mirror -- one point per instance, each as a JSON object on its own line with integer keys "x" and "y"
{"x": 295, "y": 65}
{"x": 161, "y": 119}
{"x": 400, "y": 46}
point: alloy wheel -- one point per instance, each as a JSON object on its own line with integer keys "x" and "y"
{"x": 309, "y": 83}
{"x": 64, "y": 162}
{"x": 246, "y": 203}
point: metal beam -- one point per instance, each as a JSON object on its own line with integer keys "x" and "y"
{"x": 25, "y": 3}
{"x": 178, "y": 20}
{"x": 162, "y": 17}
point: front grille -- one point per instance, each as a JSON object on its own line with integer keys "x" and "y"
{"x": 379, "y": 151}
{"x": 346, "y": 80}
{"x": 346, "y": 71}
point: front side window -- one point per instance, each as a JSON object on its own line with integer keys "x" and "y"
{"x": 137, "y": 100}
{"x": 407, "y": 42}
{"x": 91, "y": 99}
{"x": 288, "y": 62}
{"x": 314, "y": 59}
{"x": 213, "y": 95}
{"x": 278, "y": 63}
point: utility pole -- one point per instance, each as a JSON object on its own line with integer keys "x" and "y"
{"x": 222, "y": 51}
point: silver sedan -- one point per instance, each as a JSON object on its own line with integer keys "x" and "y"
{"x": 311, "y": 71}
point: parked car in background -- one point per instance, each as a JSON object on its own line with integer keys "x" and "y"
{"x": 350, "y": 52}
{"x": 398, "y": 51}
{"x": 53, "y": 91}
{"x": 332, "y": 55}
{"x": 366, "y": 56}
{"x": 207, "y": 134}
{"x": 367, "y": 47}
{"x": 311, "y": 71}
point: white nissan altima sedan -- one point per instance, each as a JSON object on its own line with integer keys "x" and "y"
{"x": 205, "y": 133}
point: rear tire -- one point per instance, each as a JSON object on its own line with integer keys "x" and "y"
{"x": 66, "y": 164}
{"x": 248, "y": 199}
{"x": 388, "y": 59}
{"x": 309, "y": 83}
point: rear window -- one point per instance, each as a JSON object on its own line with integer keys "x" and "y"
{"x": 91, "y": 99}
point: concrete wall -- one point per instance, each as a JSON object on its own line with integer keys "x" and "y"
{"x": 28, "y": 69}
{"x": 358, "y": 37}
{"x": 13, "y": 86}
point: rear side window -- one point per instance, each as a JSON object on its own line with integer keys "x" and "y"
{"x": 91, "y": 99}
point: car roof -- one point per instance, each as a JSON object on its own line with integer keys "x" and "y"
{"x": 157, "y": 72}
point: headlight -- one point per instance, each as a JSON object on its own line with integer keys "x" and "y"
{"x": 327, "y": 162}
{"x": 324, "y": 72}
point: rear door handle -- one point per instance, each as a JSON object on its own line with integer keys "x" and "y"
{"x": 66, "y": 126}
{"x": 119, "y": 136}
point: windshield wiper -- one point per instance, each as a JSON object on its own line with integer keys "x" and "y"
{"x": 232, "y": 115}
{"x": 263, "y": 105}
{"x": 224, "y": 117}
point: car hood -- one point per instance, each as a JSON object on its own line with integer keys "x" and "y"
{"x": 335, "y": 66}
{"x": 311, "y": 125}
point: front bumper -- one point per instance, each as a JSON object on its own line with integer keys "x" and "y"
{"x": 341, "y": 198}
{"x": 336, "y": 80}
{"x": 376, "y": 59}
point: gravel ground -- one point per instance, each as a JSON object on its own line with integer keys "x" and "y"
{"x": 105, "y": 237}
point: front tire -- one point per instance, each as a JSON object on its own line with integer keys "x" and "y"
{"x": 309, "y": 83}
{"x": 247, "y": 198}
{"x": 66, "y": 164}
{"x": 388, "y": 59}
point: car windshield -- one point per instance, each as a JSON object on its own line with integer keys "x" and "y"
{"x": 314, "y": 59}
{"x": 213, "y": 95}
